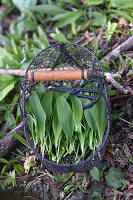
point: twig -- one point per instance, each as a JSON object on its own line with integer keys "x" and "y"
{"x": 129, "y": 89}
{"x": 109, "y": 77}
{"x": 14, "y": 72}
{"x": 119, "y": 87}
{"x": 21, "y": 157}
{"x": 125, "y": 120}
{"x": 7, "y": 142}
{"x": 46, "y": 174}
{"x": 113, "y": 55}
{"x": 68, "y": 196}
{"x": 80, "y": 40}
{"x": 85, "y": 26}
{"x": 115, "y": 98}
{"x": 8, "y": 105}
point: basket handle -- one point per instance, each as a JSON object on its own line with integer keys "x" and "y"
{"x": 58, "y": 75}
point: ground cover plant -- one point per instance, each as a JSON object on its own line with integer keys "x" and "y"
{"x": 27, "y": 27}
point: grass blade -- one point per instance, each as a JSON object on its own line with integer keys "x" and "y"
{"x": 21, "y": 139}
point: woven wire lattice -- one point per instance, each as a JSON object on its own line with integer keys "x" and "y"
{"x": 63, "y": 56}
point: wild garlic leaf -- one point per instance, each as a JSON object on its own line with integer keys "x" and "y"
{"x": 99, "y": 110}
{"x": 68, "y": 18}
{"x": 89, "y": 116}
{"x": 60, "y": 152}
{"x": 32, "y": 125}
{"x": 7, "y": 84}
{"x": 46, "y": 103}
{"x": 90, "y": 141}
{"x": 66, "y": 95}
{"x": 57, "y": 128}
{"x": 77, "y": 109}
{"x": 43, "y": 37}
{"x": 38, "y": 113}
{"x": 82, "y": 141}
{"x": 8, "y": 59}
{"x": 65, "y": 116}
{"x": 57, "y": 94}
{"x": 94, "y": 2}
{"x": 40, "y": 90}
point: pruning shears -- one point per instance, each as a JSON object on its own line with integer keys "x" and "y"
{"x": 76, "y": 91}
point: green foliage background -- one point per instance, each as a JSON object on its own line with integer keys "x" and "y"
{"x": 37, "y": 24}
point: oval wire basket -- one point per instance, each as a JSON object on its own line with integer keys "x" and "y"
{"x": 57, "y": 57}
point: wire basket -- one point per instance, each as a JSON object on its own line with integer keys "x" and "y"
{"x": 69, "y": 58}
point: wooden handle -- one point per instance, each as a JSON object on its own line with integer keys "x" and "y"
{"x": 60, "y": 75}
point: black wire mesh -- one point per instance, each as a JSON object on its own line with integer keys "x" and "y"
{"x": 63, "y": 56}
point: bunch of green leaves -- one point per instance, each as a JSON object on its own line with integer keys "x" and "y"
{"x": 66, "y": 12}
{"x": 10, "y": 169}
{"x": 9, "y": 109}
{"x": 31, "y": 14}
{"x": 70, "y": 13}
{"x": 8, "y": 165}
{"x": 27, "y": 20}
{"x": 72, "y": 183}
{"x": 8, "y": 182}
{"x": 61, "y": 13}
{"x": 55, "y": 117}
{"x": 114, "y": 179}
{"x": 10, "y": 58}
{"x": 12, "y": 50}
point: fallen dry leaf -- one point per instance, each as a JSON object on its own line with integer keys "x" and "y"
{"x": 31, "y": 158}
{"x": 126, "y": 150}
{"x": 90, "y": 37}
{"x": 123, "y": 21}
{"x": 108, "y": 157}
{"x": 130, "y": 186}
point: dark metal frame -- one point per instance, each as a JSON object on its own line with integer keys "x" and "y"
{"x": 57, "y": 57}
